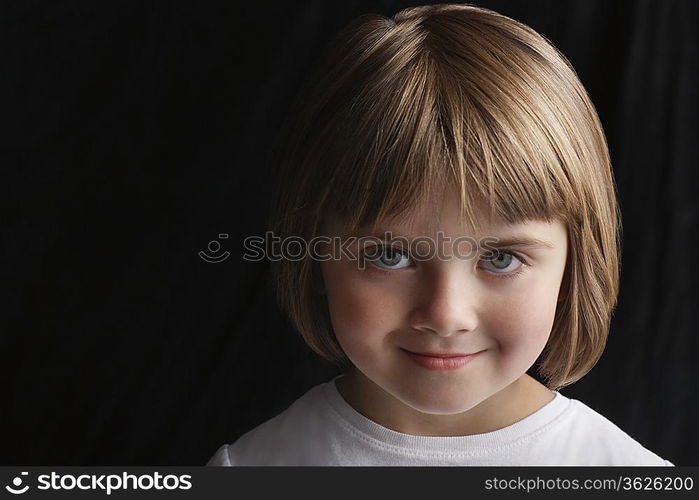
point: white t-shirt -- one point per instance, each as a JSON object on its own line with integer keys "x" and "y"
{"x": 321, "y": 428}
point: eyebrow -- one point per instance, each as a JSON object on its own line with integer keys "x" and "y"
{"x": 523, "y": 242}
{"x": 519, "y": 241}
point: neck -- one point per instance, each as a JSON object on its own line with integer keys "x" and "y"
{"x": 513, "y": 403}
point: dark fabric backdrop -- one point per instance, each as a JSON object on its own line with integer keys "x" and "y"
{"x": 135, "y": 133}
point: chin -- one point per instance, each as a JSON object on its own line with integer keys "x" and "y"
{"x": 442, "y": 406}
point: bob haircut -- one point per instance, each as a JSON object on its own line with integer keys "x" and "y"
{"x": 460, "y": 97}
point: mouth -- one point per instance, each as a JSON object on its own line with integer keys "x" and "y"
{"x": 442, "y": 361}
{"x": 444, "y": 355}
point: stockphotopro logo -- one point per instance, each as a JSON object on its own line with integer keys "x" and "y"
{"x": 17, "y": 483}
{"x": 214, "y": 247}
{"x": 107, "y": 483}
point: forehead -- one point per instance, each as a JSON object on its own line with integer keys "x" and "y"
{"x": 530, "y": 230}
{"x": 427, "y": 219}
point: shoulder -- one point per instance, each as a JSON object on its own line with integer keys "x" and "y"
{"x": 277, "y": 440}
{"x": 220, "y": 458}
{"x": 598, "y": 441}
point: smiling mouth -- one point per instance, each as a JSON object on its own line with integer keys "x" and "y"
{"x": 442, "y": 362}
{"x": 444, "y": 355}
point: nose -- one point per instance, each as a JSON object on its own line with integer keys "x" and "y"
{"x": 447, "y": 306}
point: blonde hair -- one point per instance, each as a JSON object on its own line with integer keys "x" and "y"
{"x": 452, "y": 95}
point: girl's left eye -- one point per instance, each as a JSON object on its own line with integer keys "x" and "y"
{"x": 503, "y": 264}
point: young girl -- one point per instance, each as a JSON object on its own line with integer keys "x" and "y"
{"x": 461, "y": 164}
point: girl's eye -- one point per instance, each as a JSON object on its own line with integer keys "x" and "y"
{"x": 505, "y": 263}
{"x": 387, "y": 258}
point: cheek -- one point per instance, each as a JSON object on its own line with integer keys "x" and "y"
{"x": 522, "y": 325}
{"x": 362, "y": 313}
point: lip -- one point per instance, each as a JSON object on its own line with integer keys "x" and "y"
{"x": 442, "y": 361}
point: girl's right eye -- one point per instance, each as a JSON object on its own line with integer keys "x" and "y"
{"x": 387, "y": 258}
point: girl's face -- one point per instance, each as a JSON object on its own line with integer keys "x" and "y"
{"x": 501, "y": 307}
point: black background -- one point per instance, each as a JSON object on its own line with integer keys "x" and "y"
{"x": 134, "y": 133}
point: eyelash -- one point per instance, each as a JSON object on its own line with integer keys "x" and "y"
{"x": 511, "y": 275}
